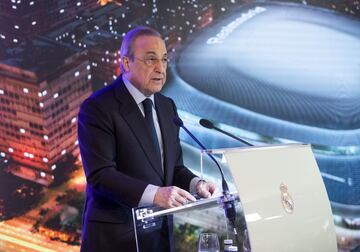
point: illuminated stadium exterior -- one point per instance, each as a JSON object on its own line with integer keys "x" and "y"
{"x": 277, "y": 73}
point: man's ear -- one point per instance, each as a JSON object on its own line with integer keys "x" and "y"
{"x": 125, "y": 63}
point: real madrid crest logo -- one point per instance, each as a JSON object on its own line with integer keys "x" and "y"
{"x": 286, "y": 199}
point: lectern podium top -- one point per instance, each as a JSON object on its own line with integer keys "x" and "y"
{"x": 254, "y": 148}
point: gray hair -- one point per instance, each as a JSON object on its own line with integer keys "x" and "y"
{"x": 127, "y": 49}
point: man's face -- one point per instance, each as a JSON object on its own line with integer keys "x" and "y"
{"x": 147, "y": 71}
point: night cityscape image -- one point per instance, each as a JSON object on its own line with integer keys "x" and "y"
{"x": 270, "y": 72}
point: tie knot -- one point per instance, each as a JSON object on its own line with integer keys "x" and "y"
{"x": 147, "y": 103}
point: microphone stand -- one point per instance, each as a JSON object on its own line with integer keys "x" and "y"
{"x": 227, "y": 200}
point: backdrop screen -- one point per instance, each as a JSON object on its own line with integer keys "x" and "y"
{"x": 270, "y": 72}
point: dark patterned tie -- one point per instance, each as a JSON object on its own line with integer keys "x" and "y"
{"x": 147, "y": 103}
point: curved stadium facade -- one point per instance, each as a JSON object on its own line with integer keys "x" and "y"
{"x": 282, "y": 73}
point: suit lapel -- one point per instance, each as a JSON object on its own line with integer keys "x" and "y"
{"x": 136, "y": 121}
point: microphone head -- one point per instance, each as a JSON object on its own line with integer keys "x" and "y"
{"x": 178, "y": 122}
{"x": 206, "y": 123}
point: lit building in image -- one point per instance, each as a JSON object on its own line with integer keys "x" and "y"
{"x": 23, "y": 19}
{"x": 100, "y": 31}
{"x": 41, "y": 88}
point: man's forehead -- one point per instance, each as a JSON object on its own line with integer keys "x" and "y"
{"x": 150, "y": 44}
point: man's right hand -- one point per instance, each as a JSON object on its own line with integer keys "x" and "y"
{"x": 172, "y": 196}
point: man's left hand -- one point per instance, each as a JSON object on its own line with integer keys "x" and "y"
{"x": 205, "y": 189}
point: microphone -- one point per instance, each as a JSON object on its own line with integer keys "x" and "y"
{"x": 208, "y": 124}
{"x": 178, "y": 122}
{"x": 228, "y": 200}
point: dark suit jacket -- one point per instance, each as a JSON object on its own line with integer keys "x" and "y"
{"x": 120, "y": 161}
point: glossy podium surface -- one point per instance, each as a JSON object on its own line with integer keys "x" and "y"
{"x": 284, "y": 198}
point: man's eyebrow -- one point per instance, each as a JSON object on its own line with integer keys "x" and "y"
{"x": 154, "y": 53}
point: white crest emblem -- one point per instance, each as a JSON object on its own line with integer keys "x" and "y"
{"x": 286, "y": 199}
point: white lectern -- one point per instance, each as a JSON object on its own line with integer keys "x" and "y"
{"x": 281, "y": 202}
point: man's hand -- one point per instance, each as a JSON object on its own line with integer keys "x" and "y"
{"x": 205, "y": 189}
{"x": 172, "y": 196}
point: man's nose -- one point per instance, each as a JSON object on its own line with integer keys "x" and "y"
{"x": 160, "y": 66}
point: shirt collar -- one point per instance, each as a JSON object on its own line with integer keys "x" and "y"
{"x": 135, "y": 93}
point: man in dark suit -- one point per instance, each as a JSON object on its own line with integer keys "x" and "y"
{"x": 131, "y": 151}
